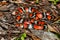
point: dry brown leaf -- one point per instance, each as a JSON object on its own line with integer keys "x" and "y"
{"x": 33, "y": 36}
{"x": 51, "y": 28}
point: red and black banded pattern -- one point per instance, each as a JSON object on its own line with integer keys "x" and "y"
{"x": 30, "y": 17}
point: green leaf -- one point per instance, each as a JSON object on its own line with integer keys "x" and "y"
{"x": 17, "y": 39}
{"x": 51, "y": 0}
{"x": 22, "y": 38}
{"x": 55, "y": 3}
{"x": 57, "y": 0}
{"x": 37, "y": 1}
{"x": 24, "y": 35}
{"x": 58, "y": 35}
{"x": 54, "y": 0}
